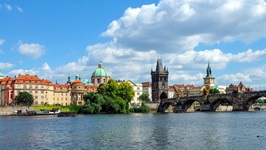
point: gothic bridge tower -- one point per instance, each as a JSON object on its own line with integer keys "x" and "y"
{"x": 159, "y": 82}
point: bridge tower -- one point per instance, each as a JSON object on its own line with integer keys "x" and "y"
{"x": 159, "y": 82}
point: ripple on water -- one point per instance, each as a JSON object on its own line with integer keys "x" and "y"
{"x": 234, "y": 130}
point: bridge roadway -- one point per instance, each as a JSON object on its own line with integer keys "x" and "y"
{"x": 239, "y": 101}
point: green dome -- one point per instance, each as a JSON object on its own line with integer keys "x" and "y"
{"x": 100, "y": 72}
{"x": 1, "y": 74}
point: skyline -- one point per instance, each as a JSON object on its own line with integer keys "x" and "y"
{"x": 56, "y": 38}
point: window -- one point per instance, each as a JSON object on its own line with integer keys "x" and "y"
{"x": 36, "y": 97}
{"x": 98, "y": 80}
{"x": 24, "y": 86}
{"x": 104, "y": 81}
{"x": 42, "y": 91}
{"x": 42, "y": 97}
{"x": 36, "y": 91}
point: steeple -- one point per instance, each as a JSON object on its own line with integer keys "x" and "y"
{"x": 159, "y": 66}
{"x": 68, "y": 79}
{"x": 209, "y": 70}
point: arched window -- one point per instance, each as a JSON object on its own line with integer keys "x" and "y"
{"x": 98, "y": 80}
{"x": 104, "y": 81}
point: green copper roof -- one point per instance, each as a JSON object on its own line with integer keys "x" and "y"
{"x": 1, "y": 74}
{"x": 209, "y": 71}
{"x": 100, "y": 72}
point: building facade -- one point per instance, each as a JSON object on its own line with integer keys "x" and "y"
{"x": 146, "y": 89}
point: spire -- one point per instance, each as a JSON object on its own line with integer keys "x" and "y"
{"x": 209, "y": 70}
{"x": 159, "y": 66}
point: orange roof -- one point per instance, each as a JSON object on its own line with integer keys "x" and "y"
{"x": 76, "y": 82}
{"x": 61, "y": 87}
{"x": 146, "y": 84}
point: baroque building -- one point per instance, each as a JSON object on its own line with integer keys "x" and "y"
{"x": 45, "y": 92}
{"x": 159, "y": 82}
{"x": 100, "y": 75}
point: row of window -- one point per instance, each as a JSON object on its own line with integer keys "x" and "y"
{"x": 30, "y": 86}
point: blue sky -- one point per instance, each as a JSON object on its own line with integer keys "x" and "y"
{"x": 57, "y": 38}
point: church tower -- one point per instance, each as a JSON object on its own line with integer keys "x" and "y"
{"x": 209, "y": 80}
{"x": 159, "y": 82}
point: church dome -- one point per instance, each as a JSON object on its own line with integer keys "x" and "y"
{"x": 1, "y": 74}
{"x": 100, "y": 72}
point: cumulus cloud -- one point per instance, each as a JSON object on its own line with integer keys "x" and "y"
{"x": 33, "y": 50}
{"x": 181, "y": 25}
{"x": 6, "y": 65}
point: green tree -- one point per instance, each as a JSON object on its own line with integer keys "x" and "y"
{"x": 144, "y": 98}
{"x": 24, "y": 98}
{"x": 91, "y": 97}
{"x": 214, "y": 91}
{"x": 109, "y": 89}
{"x": 126, "y": 91}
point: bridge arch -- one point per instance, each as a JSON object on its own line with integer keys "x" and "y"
{"x": 251, "y": 100}
{"x": 188, "y": 103}
{"x": 163, "y": 95}
{"x": 214, "y": 104}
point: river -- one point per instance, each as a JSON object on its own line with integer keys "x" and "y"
{"x": 200, "y": 130}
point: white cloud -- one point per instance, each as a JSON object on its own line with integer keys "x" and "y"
{"x": 32, "y": 50}
{"x": 8, "y": 7}
{"x": 21, "y": 72}
{"x": 227, "y": 79}
{"x": 172, "y": 26}
{"x": 6, "y": 65}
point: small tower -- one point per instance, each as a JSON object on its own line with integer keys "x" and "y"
{"x": 159, "y": 82}
{"x": 68, "y": 79}
{"x": 209, "y": 80}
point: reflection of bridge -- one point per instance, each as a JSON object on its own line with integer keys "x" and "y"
{"x": 239, "y": 101}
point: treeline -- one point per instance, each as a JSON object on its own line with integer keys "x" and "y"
{"x": 111, "y": 98}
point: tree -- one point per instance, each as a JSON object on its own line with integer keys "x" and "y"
{"x": 214, "y": 91}
{"x": 144, "y": 97}
{"x": 109, "y": 89}
{"x": 24, "y": 98}
{"x": 126, "y": 92}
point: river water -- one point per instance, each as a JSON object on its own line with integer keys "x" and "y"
{"x": 210, "y": 130}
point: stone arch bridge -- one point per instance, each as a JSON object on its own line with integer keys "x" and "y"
{"x": 239, "y": 101}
